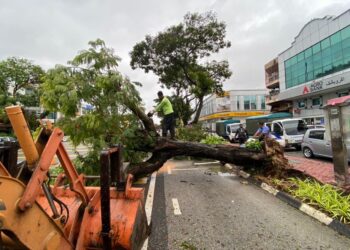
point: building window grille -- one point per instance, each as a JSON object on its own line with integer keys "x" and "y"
{"x": 328, "y": 56}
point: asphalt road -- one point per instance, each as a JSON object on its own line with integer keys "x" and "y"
{"x": 194, "y": 209}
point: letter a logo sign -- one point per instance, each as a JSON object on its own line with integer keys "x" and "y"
{"x": 306, "y": 90}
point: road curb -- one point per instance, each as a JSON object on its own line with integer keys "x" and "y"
{"x": 335, "y": 224}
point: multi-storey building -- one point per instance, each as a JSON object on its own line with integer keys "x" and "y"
{"x": 233, "y": 104}
{"x": 314, "y": 69}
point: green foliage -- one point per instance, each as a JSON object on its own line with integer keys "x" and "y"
{"x": 194, "y": 133}
{"x": 92, "y": 77}
{"x": 253, "y": 144}
{"x": 214, "y": 140}
{"x": 20, "y": 74}
{"x": 182, "y": 109}
{"x": 179, "y": 56}
{"x": 326, "y": 197}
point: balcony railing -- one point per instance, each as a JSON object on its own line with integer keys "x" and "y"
{"x": 272, "y": 77}
{"x": 274, "y": 92}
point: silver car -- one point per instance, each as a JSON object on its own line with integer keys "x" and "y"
{"x": 315, "y": 144}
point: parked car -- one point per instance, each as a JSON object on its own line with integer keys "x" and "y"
{"x": 315, "y": 144}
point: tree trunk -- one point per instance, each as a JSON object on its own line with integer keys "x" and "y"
{"x": 271, "y": 158}
{"x": 198, "y": 112}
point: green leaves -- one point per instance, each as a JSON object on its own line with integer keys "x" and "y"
{"x": 91, "y": 77}
{"x": 214, "y": 140}
{"x": 17, "y": 75}
{"x": 178, "y": 56}
{"x": 253, "y": 144}
{"x": 326, "y": 197}
{"x": 192, "y": 133}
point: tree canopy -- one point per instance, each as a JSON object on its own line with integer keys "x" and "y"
{"x": 179, "y": 56}
{"x": 21, "y": 74}
{"x": 20, "y": 81}
{"x": 92, "y": 77}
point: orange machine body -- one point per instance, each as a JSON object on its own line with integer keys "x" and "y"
{"x": 38, "y": 216}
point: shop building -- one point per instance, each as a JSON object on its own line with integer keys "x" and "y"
{"x": 233, "y": 104}
{"x": 314, "y": 69}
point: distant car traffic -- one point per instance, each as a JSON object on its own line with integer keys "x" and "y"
{"x": 5, "y": 139}
{"x": 315, "y": 144}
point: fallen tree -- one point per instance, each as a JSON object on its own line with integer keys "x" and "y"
{"x": 118, "y": 116}
{"x": 271, "y": 158}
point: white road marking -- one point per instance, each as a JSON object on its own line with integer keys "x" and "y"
{"x": 188, "y": 169}
{"x": 205, "y": 163}
{"x": 225, "y": 174}
{"x": 149, "y": 204}
{"x": 169, "y": 169}
{"x": 176, "y": 206}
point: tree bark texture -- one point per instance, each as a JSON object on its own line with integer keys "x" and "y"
{"x": 272, "y": 158}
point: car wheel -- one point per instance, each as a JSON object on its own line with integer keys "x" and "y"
{"x": 308, "y": 152}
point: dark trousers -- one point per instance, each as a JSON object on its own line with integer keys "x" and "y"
{"x": 168, "y": 124}
{"x": 242, "y": 140}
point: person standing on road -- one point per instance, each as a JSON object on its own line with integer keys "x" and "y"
{"x": 241, "y": 134}
{"x": 262, "y": 132}
{"x": 166, "y": 109}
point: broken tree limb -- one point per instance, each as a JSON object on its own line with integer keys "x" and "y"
{"x": 164, "y": 149}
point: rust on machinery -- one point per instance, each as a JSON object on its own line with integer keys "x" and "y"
{"x": 40, "y": 216}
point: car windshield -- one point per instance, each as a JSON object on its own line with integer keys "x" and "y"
{"x": 294, "y": 127}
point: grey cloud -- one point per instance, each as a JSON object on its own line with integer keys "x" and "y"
{"x": 51, "y": 32}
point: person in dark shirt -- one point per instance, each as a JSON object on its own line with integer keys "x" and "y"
{"x": 241, "y": 134}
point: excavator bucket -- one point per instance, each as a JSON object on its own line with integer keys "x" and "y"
{"x": 36, "y": 215}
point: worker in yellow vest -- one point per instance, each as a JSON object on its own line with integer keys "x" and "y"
{"x": 166, "y": 109}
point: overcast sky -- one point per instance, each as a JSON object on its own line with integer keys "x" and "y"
{"x": 51, "y": 32}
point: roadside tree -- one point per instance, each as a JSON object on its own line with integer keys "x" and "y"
{"x": 179, "y": 56}
{"x": 119, "y": 117}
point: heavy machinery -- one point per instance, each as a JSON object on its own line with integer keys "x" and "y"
{"x": 35, "y": 215}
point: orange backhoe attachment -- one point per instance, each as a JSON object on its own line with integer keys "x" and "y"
{"x": 36, "y": 215}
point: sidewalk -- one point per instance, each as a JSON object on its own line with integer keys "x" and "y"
{"x": 321, "y": 171}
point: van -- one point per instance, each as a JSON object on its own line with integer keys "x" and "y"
{"x": 288, "y": 132}
{"x": 221, "y": 127}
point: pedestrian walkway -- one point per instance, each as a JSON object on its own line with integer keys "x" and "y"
{"x": 321, "y": 171}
